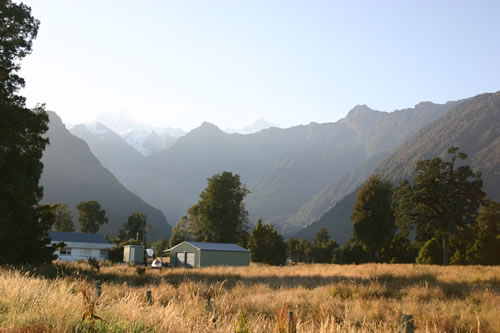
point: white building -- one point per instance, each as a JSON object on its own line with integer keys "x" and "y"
{"x": 80, "y": 245}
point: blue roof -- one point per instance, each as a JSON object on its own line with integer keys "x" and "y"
{"x": 77, "y": 237}
{"x": 217, "y": 246}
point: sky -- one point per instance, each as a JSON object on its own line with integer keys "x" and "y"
{"x": 179, "y": 63}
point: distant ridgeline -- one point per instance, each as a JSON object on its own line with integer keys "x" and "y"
{"x": 473, "y": 125}
{"x": 73, "y": 174}
{"x": 300, "y": 178}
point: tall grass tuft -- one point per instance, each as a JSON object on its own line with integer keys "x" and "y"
{"x": 90, "y": 298}
{"x": 285, "y": 321}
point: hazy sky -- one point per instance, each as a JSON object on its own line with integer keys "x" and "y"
{"x": 178, "y": 63}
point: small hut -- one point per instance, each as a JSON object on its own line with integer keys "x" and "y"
{"x": 133, "y": 254}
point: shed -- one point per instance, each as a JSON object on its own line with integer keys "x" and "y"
{"x": 80, "y": 245}
{"x": 198, "y": 254}
{"x": 133, "y": 253}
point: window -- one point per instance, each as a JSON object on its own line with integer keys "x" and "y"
{"x": 86, "y": 252}
{"x": 65, "y": 251}
{"x": 104, "y": 253}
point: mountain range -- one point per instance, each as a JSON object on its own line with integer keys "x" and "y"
{"x": 283, "y": 168}
{"x": 306, "y": 176}
{"x": 473, "y": 125}
{"x": 72, "y": 174}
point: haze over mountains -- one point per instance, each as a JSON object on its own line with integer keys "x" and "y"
{"x": 304, "y": 177}
{"x": 259, "y": 125}
{"x": 72, "y": 174}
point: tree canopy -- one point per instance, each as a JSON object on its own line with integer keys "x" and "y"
{"x": 266, "y": 245}
{"x": 18, "y": 29}
{"x": 63, "y": 218}
{"x": 443, "y": 199}
{"x": 23, "y": 222}
{"x": 91, "y": 216}
{"x": 136, "y": 226}
{"x": 372, "y": 215}
{"x": 180, "y": 232}
{"x": 486, "y": 247}
{"x": 220, "y": 214}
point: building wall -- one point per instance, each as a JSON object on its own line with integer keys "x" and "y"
{"x": 81, "y": 250}
{"x": 183, "y": 248}
{"x": 133, "y": 253}
{"x": 224, "y": 258}
{"x": 206, "y": 258}
{"x": 79, "y": 253}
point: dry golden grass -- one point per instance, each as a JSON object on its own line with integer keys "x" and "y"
{"x": 324, "y": 298}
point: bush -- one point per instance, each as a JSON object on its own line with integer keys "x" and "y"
{"x": 94, "y": 264}
{"x": 350, "y": 253}
{"x": 430, "y": 253}
{"x": 115, "y": 254}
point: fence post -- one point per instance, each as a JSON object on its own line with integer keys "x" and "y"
{"x": 291, "y": 323}
{"x": 406, "y": 323}
{"x": 98, "y": 288}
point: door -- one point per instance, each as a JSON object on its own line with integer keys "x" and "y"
{"x": 131, "y": 255}
{"x": 180, "y": 259}
{"x": 190, "y": 259}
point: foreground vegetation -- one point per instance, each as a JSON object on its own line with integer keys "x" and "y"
{"x": 323, "y": 298}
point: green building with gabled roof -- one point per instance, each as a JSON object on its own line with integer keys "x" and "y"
{"x": 199, "y": 254}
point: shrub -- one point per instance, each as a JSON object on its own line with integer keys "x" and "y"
{"x": 430, "y": 253}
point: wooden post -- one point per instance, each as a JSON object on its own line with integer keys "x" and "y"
{"x": 406, "y": 323}
{"x": 291, "y": 323}
{"x": 149, "y": 298}
{"x": 98, "y": 288}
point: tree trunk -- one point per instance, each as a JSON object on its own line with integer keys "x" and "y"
{"x": 446, "y": 249}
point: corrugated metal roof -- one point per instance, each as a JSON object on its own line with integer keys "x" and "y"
{"x": 77, "y": 237}
{"x": 215, "y": 246}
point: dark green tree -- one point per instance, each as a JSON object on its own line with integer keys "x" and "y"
{"x": 321, "y": 250}
{"x": 304, "y": 250}
{"x": 321, "y": 236}
{"x": 63, "y": 218}
{"x": 372, "y": 215}
{"x": 18, "y": 29}
{"x": 180, "y": 232}
{"x": 91, "y": 216}
{"x": 266, "y": 245}
{"x": 292, "y": 249}
{"x": 298, "y": 250}
{"x": 220, "y": 214}
{"x": 23, "y": 221}
{"x": 485, "y": 250}
{"x": 136, "y": 226}
{"x": 352, "y": 252}
{"x": 442, "y": 199}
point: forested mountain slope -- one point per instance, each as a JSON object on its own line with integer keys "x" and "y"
{"x": 283, "y": 168}
{"x": 72, "y": 174}
{"x": 378, "y": 133}
{"x": 473, "y": 125}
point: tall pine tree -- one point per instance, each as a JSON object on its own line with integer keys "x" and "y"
{"x": 23, "y": 221}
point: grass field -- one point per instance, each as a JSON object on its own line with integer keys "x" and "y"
{"x": 323, "y": 298}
